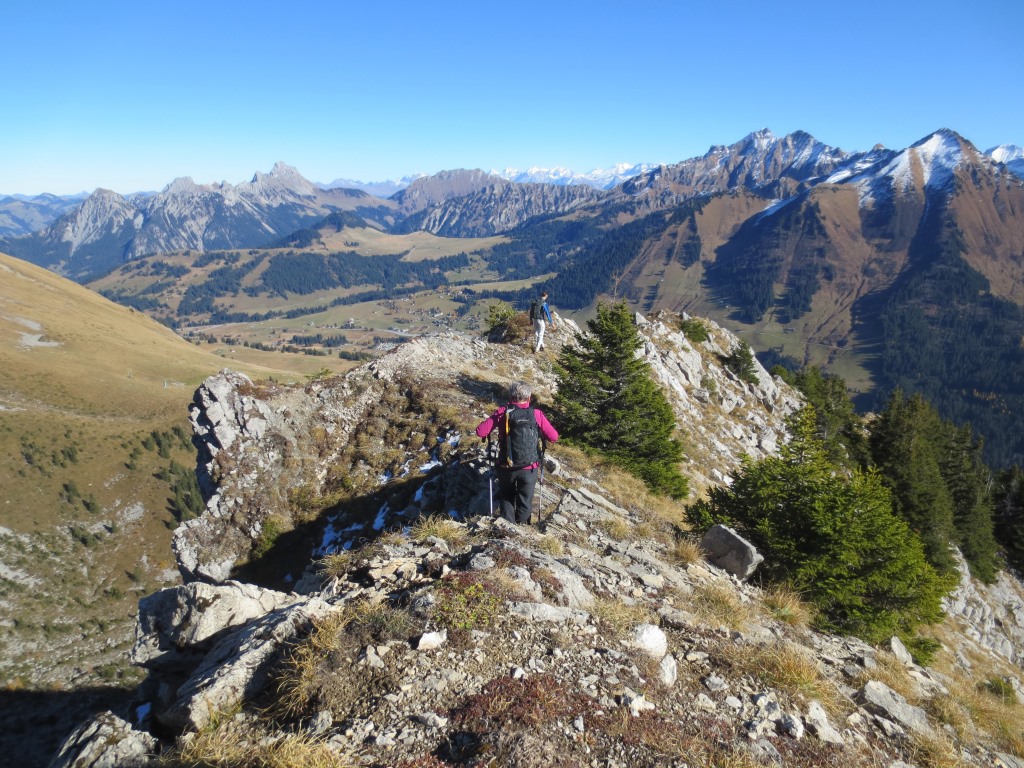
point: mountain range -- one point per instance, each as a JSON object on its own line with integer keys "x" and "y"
{"x": 893, "y": 268}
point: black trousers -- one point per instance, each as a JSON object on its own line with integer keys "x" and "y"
{"x": 515, "y": 493}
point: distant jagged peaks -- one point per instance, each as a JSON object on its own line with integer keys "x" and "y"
{"x": 599, "y": 178}
{"x": 760, "y": 161}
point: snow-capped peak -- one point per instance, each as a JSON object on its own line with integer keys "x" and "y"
{"x": 599, "y": 178}
{"x": 1009, "y": 155}
{"x": 940, "y": 154}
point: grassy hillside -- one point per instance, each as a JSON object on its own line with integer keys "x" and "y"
{"x": 93, "y": 413}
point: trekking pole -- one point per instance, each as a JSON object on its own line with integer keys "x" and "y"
{"x": 540, "y": 480}
{"x": 490, "y": 474}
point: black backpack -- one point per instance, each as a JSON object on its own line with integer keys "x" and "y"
{"x": 519, "y": 436}
{"x": 535, "y": 310}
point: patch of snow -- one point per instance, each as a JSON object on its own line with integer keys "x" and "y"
{"x": 382, "y": 513}
{"x": 29, "y": 340}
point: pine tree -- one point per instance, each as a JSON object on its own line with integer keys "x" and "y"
{"x": 741, "y": 362}
{"x": 607, "y": 401}
{"x": 904, "y": 450}
{"x": 941, "y": 486}
{"x": 1009, "y": 515}
{"x": 831, "y": 536}
{"x": 839, "y": 426}
{"x": 970, "y": 484}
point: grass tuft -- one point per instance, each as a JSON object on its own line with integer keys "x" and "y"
{"x": 789, "y": 668}
{"x": 618, "y": 618}
{"x": 788, "y": 607}
{"x": 232, "y": 745}
{"x": 719, "y": 603}
{"x": 444, "y": 528}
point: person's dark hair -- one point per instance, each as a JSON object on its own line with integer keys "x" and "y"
{"x": 519, "y": 392}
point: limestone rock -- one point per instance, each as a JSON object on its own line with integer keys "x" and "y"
{"x": 177, "y": 623}
{"x": 896, "y": 647}
{"x": 237, "y": 667}
{"x": 106, "y": 741}
{"x": 818, "y": 724}
{"x": 879, "y": 699}
{"x": 730, "y": 551}
{"x": 650, "y": 640}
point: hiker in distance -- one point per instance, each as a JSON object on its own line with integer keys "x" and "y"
{"x": 520, "y": 427}
{"x": 541, "y": 316}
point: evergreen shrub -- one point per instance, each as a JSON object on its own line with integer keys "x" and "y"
{"x": 831, "y": 536}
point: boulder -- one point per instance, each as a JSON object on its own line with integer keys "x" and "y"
{"x": 237, "y": 668}
{"x": 650, "y": 640}
{"x": 896, "y": 647}
{"x": 730, "y": 551}
{"x": 879, "y": 699}
{"x": 106, "y": 741}
{"x": 176, "y": 626}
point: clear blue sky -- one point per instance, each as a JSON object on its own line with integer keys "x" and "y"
{"x": 130, "y": 95}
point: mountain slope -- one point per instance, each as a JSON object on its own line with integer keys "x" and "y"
{"x": 413, "y": 628}
{"x": 93, "y": 407}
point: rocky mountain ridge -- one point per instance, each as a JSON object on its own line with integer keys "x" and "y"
{"x": 416, "y": 630}
{"x": 270, "y": 206}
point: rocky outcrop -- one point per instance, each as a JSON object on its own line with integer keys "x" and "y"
{"x": 106, "y": 741}
{"x": 420, "y": 627}
{"x": 992, "y": 615}
{"x": 575, "y": 614}
{"x": 259, "y": 445}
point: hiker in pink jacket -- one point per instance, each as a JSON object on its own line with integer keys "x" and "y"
{"x": 520, "y": 427}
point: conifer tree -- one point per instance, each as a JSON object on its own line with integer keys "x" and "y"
{"x": 831, "y": 536}
{"x": 940, "y": 483}
{"x": 905, "y": 452}
{"x": 839, "y": 426}
{"x": 607, "y": 401}
{"x": 1009, "y": 515}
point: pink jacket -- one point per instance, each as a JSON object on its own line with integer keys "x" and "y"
{"x": 491, "y": 422}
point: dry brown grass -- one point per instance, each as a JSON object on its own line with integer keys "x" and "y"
{"x": 718, "y": 603}
{"x": 444, "y": 528}
{"x": 336, "y": 564}
{"x": 615, "y": 527}
{"x": 973, "y": 711}
{"x": 787, "y": 667}
{"x": 551, "y": 545}
{"x": 299, "y": 680}
{"x": 788, "y": 607}
{"x": 685, "y": 551}
{"x": 618, "y": 617}
{"x": 933, "y": 750}
{"x": 234, "y": 745}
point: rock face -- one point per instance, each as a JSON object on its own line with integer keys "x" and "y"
{"x": 992, "y": 615}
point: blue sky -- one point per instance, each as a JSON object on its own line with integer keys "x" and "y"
{"x": 130, "y": 95}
